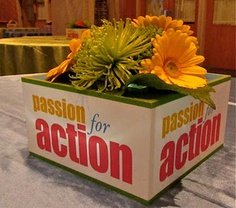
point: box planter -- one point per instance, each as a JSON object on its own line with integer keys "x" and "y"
{"x": 72, "y": 33}
{"x": 139, "y": 147}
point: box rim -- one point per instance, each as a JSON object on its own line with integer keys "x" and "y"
{"x": 147, "y": 103}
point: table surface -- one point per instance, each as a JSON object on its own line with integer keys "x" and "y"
{"x": 21, "y": 31}
{"x": 37, "y": 41}
{"x": 27, "y": 182}
{"x": 32, "y": 54}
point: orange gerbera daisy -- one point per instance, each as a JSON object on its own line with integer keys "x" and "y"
{"x": 164, "y": 22}
{"x": 175, "y": 60}
{"x": 64, "y": 67}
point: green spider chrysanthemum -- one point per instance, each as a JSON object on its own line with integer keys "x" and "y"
{"x": 108, "y": 58}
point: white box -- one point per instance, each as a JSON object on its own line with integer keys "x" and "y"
{"x": 139, "y": 147}
{"x": 72, "y": 33}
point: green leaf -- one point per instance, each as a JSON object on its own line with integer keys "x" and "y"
{"x": 151, "y": 80}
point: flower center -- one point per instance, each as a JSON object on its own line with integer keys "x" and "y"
{"x": 171, "y": 68}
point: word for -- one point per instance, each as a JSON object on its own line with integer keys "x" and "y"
{"x": 98, "y": 125}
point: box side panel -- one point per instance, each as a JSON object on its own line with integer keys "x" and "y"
{"x": 187, "y": 131}
{"x": 106, "y": 140}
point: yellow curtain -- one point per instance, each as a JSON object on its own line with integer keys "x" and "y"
{"x": 154, "y": 7}
{"x": 224, "y": 12}
{"x": 113, "y": 9}
{"x": 66, "y": 10}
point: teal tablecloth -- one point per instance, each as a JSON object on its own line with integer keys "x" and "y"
{"x": 32, "y": 54}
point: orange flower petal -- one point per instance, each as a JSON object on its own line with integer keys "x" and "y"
{"x": 194, "y": 70}
{"x": 57, "y": 71}
{"x": 189, "y": 81}
{"x": 175, "y": 60}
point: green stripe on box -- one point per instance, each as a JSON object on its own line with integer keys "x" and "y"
{"x": 213, "y": 79}
{"x": 136, "y": 198}
{"x": 185, "y": 174}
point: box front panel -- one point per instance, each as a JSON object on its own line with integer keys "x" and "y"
{"x": 100, "y": 138}
{"x": 186, "y": 132}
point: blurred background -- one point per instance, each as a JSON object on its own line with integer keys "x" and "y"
{"x": 213, "y": 21}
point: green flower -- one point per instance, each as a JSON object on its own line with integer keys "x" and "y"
{"x": 111, "y": 55}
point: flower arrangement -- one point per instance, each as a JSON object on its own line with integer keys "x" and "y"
{"x": 147, "y": 52}
{"x": 79, "y": 24}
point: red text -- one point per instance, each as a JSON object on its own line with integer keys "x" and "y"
{"x": 72, "y": 141}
